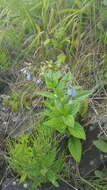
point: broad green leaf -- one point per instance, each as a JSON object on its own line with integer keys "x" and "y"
{"x": 75, "y": 148}
{"x": 72, "y": 108}
{"x": 77, "y": 131}
{"x": 100, "y": 144}
{"x": 69, "y": 120}
{"x": 56, "y": 124}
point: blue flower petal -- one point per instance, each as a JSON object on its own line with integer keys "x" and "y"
{"x": 73, "y": 92}
{"x": 69, "y": 92}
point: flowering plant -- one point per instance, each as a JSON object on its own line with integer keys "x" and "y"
{"x": 63, "y": 103}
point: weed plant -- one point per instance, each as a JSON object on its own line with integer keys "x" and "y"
{"x": 36, "y": 158}
{"x": 61, "y": 108}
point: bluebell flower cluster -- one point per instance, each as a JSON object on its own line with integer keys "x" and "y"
{"x": 71, "y": 92}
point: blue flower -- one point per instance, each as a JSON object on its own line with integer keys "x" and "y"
{"x": 73, "y": 92}
{"x": 69, "y": 92}
{"x": 70, "y": 101}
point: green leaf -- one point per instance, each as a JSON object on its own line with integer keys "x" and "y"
{"x": 46, "y": 94}
{"x": 72, "y": 108}
{"x": 83, "y": 94}
{"x": 48, "y": 104}
{"x": 61, "y": 85}
{"x": 77, "y": 131}
{"x": 99, "y": 174}
{"x": 44, "y": 171}
{"x": 100, "y": 144}
{"x": 75, "y": 148}
{"x": 69, "y": 120}
{"x": 67, "y": 77}
{"x": 63, "y": 81}
{"x": 46, "y": 42}
{"x": 55, "y": 183}
{"x": 56, "y": 124}
{"x": 61, "y": 58}
{"x": 52, "y": 179}
{"x": 83, "y": 107}
{"x": 51, "y": 78}
{"x": 23, "y": 178}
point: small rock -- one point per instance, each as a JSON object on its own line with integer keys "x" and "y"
{"x": 91, "y": 128}
{"x": 10, "y": 184}
{"x": 4, "y": 123}
{"x": 14, "y": 182}
{"x": 91, "y": 162}
{"x": 25, "y": 185}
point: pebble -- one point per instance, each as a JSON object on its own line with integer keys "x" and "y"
{"x": 25, "y": 185}
{"x": 91, "y": 128}
{"x": 4, "y": 123}
{"x": 91, "y": 163}
{"x": 105, "y": 156}
{"x": 101, "y": 156}
{"x": 14, "y": 182}
{"x": 39, "y": 81}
